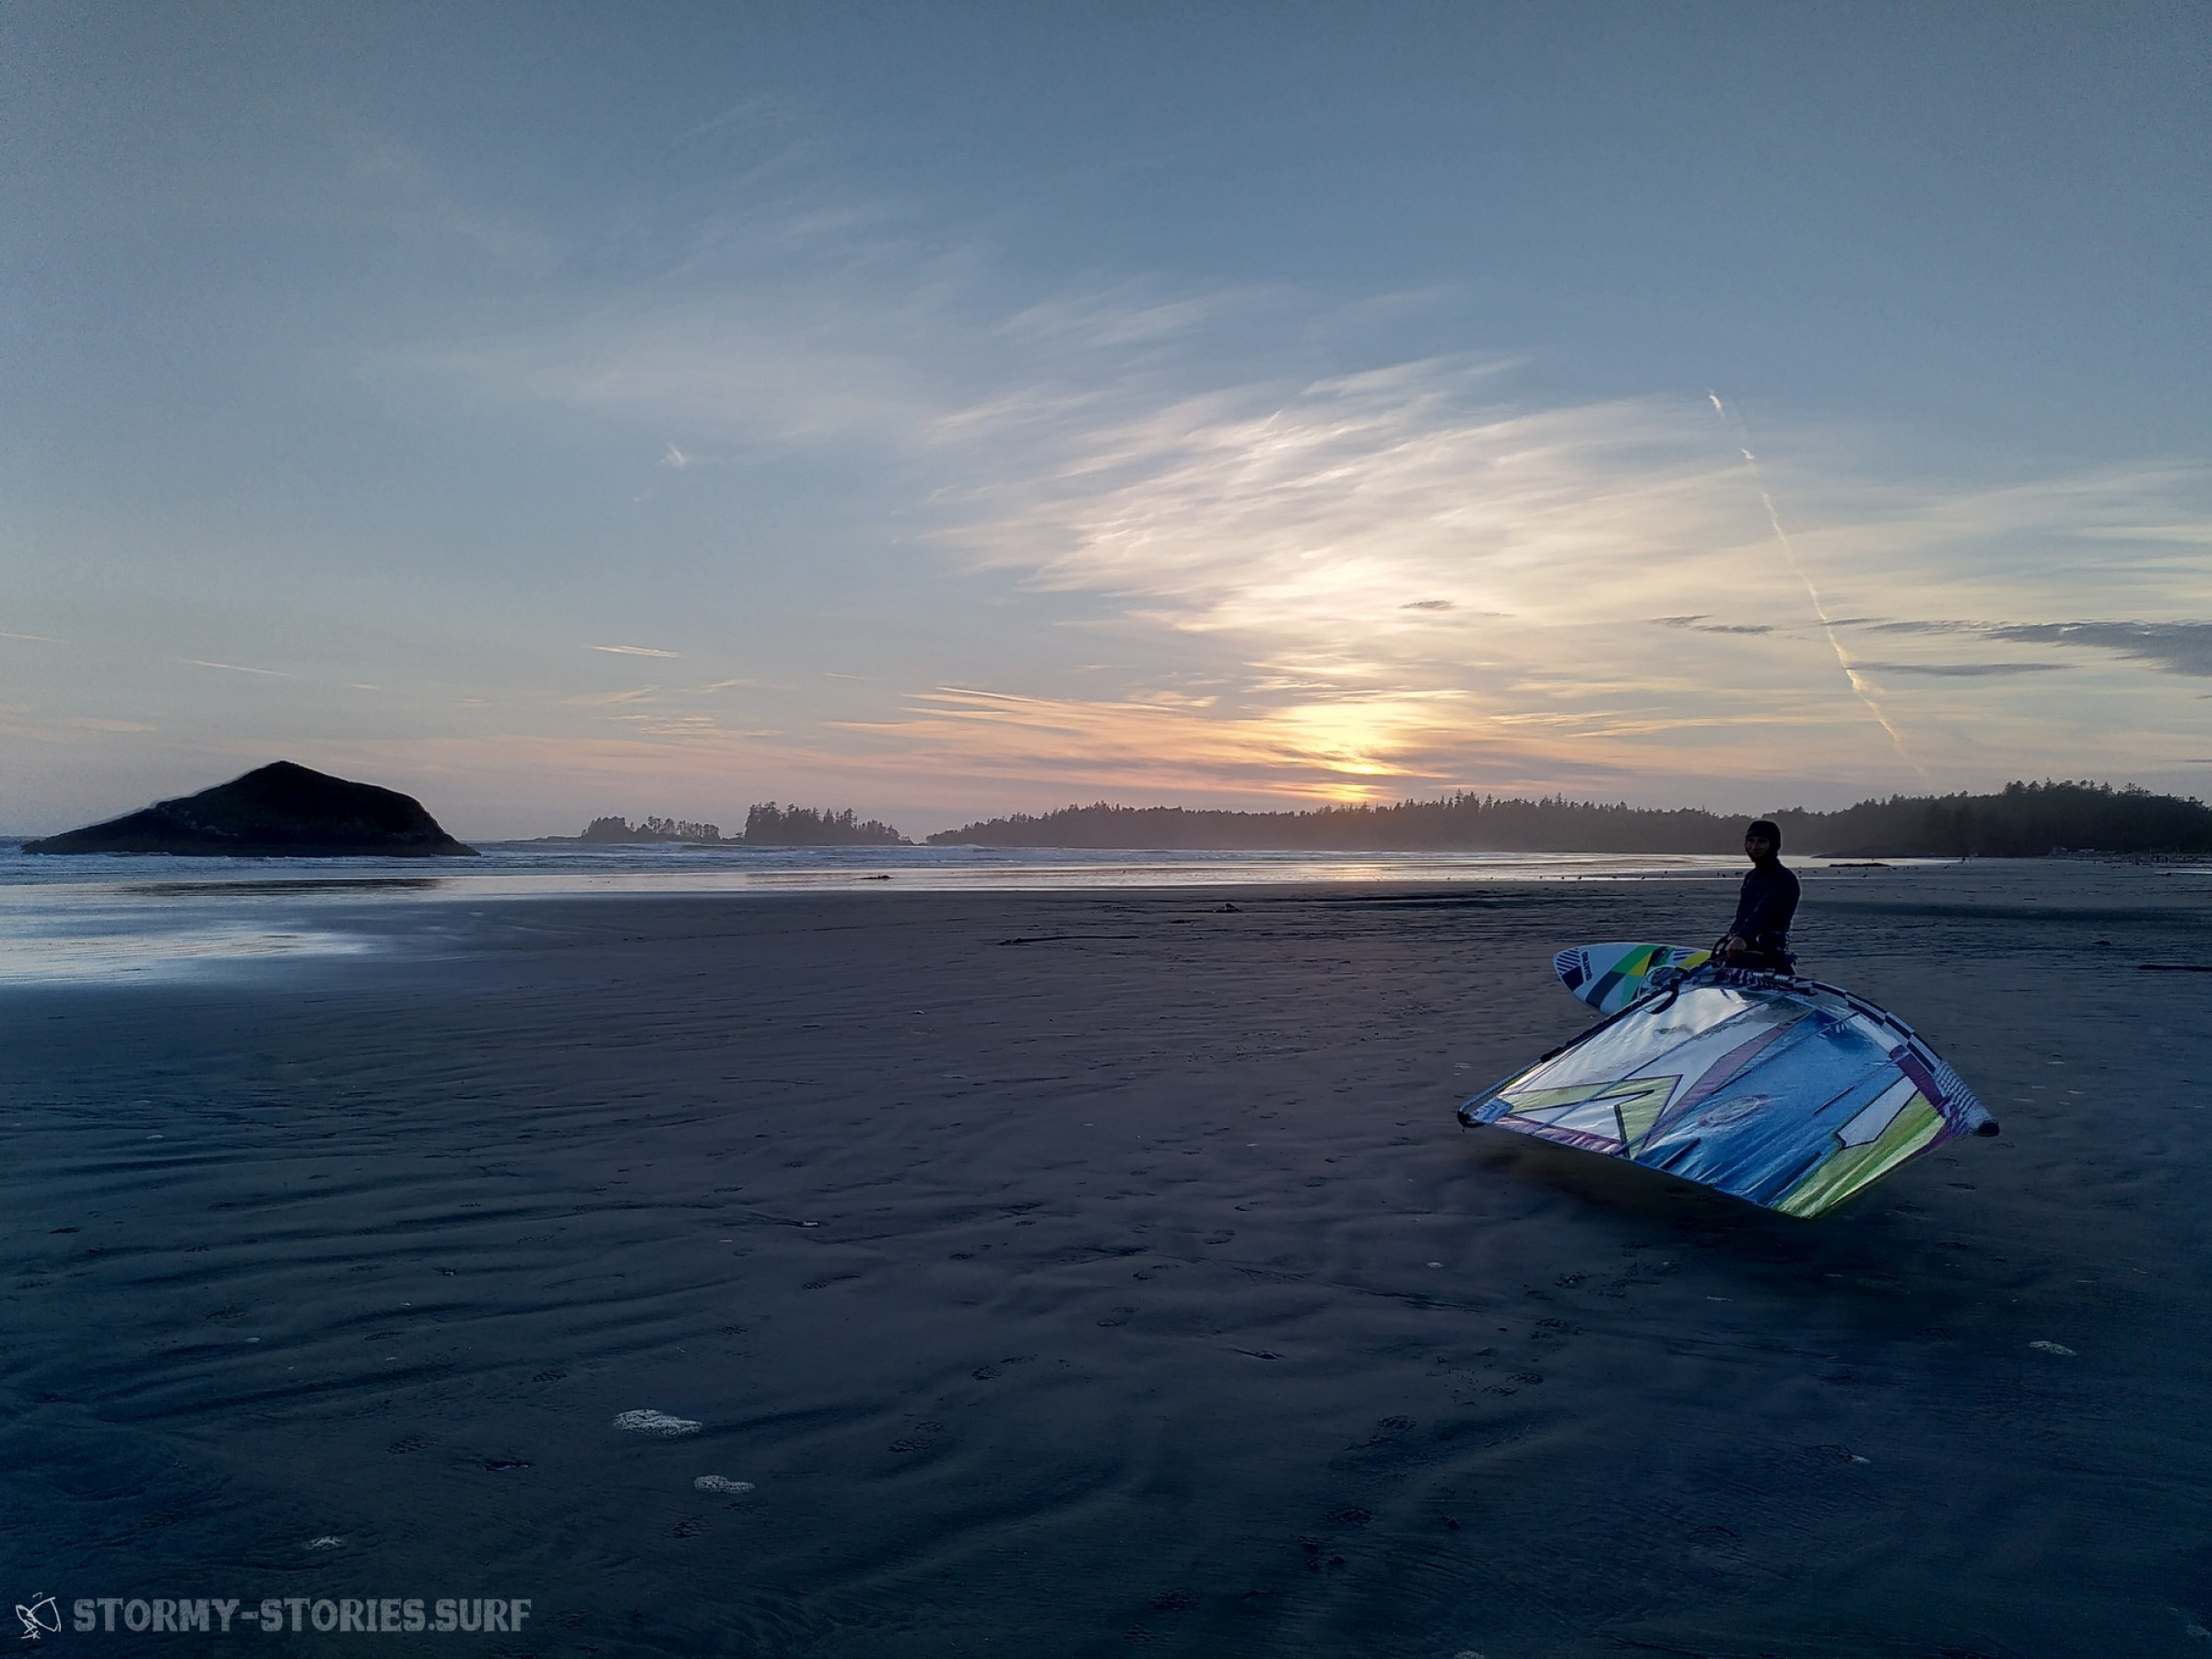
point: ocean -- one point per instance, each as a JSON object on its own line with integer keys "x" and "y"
{"x": 96, "y": 917}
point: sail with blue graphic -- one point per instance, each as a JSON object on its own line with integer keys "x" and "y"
{"x": 1786, "y": 1092}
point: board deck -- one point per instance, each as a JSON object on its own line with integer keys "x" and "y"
{"x": 1610, "y": 977}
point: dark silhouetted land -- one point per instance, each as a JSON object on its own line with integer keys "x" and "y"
{"x": 2022, "y": 820}
{"x": 768, "y": 825}
{"x": 276, "y": 811}
{"x": 618, "y": 829}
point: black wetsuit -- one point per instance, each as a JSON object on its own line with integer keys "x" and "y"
{"x": 1762, "y": 917}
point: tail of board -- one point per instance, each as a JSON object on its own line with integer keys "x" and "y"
{"x": 1610, "y": 977}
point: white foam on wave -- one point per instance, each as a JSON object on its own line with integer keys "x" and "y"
{"x": 721, "y": 1483}
{"x": 655, "y": 1423}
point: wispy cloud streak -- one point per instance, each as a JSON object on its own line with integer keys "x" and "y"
{"x": 234, "y": 667}
{"x": 1416, "y": 547}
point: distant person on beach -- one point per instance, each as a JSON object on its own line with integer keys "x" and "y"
{"x": 1759, "y": 937}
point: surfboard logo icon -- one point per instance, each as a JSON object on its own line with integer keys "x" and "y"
{"x": 40, "y": 1619}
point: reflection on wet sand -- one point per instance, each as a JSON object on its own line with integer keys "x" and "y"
{"x": 282, "y": 889}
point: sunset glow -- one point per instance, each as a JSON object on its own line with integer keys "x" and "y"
{"x": 753, "y": 439}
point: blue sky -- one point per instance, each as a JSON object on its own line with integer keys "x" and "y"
{"x": 943, "y": 410}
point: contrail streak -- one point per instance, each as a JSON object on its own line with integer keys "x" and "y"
{"x": 1858, "y": 684}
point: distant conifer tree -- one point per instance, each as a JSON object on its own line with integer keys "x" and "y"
{"x": 650, "y": 830}
{"x": 770, "y": 825}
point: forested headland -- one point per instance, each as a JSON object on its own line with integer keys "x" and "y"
{"x": 2021, "y": 820}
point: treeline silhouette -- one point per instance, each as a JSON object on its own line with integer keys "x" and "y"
{"x": 2022, "y": 820}
{"x": 768, "y": 825}
{"x": 652, "y": 829}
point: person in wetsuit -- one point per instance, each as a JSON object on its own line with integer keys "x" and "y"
{"x": 1759, "y": 937}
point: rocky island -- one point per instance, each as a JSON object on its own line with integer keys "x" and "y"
{"x": 276, "y": 811}
{"x": 766, "y": 825}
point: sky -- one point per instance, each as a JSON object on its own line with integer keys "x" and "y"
{"x": 945, "y": 410}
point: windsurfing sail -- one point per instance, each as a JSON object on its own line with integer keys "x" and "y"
{"x": 1786, "y": 1092}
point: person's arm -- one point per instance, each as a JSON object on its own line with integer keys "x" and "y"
{"x": 1733, "y": 943}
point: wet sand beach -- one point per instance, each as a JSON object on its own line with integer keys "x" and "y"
{"x": 1105, "y": 1272}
